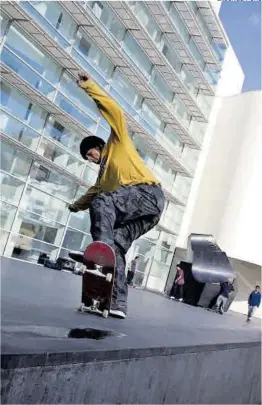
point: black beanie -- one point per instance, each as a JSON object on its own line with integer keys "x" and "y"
{"x": 90, "y": 142}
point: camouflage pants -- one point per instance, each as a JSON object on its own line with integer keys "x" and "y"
{"x": 118, "y": 218}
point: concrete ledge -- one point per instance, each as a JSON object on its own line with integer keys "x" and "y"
{"x": 218, "y": 374}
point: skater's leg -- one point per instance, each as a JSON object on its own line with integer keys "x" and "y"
{"x": 218, "y": 303}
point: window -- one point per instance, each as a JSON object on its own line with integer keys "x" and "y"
{"x": 182, "y": 186}
{"x": 3, "y": 24}
{"x": 148, "y": 156}
{"x": 172, "y": 217}
{"x": 57, "y": 16}
{"x": 7, "y": 215}
{"x": 171, "y": 56}
{"x": 65, "y": 136}
{"x": 181, "y": 110}
{"x": 90, "y": 175}
{"x": 17, "y": 104}
{"x": 121, "y": 84}
{"x": 174, "y": 139}
{"x": 220, "y": 49}
{"x": 44, "y": 204}
{"x": 189, "y": 81}
{"x": 87, "y": 48}
{"x": 60, "y": 157}
{"x": 179, "y": 23}
{"x": 15, "y": 161}
{"x": 51, "y": 182}
{"x": 190, "y": 157}
{"x": 137, "y": 55}
{"x": 109, "y": 19}
{"x": 150, "y": 116}
{"x": 31, "y": 53}
{"x": 76, "y": 240}
{"x": 161, "y": 86}
{"x": 146, "y": 19}
{"x": 17, "y": 130}
{"x": 11, "y": 188}
{"x": 196, "y": 53}
{"x": 80, "y": 221}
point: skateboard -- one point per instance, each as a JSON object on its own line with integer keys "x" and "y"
{"x": 98, "y": 279}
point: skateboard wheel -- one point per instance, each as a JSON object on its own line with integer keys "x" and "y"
{"x": 109, "y": 277}
{"x": 105, "y": 313}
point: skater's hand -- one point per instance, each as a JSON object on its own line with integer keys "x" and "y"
{"x": 72, "y": 208}
{"x": 83, "y": 77}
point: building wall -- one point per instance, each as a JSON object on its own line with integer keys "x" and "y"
{"x": 228, "y": 197}
{"x": 204, "y": 208}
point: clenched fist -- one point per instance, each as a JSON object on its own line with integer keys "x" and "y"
{"x": 83, "y": 77}
{"x": 72, "y": 208}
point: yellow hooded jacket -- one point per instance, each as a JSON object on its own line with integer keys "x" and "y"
{"x": 120, "y": 163}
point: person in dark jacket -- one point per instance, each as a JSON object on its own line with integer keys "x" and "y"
{"x": 132, "y": 269}
{"x": 254, "y": 301}
{"x": 226, "y": 289}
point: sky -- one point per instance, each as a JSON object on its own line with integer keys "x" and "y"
{"x": 242, "y": 23}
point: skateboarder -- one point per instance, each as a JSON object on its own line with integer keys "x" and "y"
{"x": 127, "y": 199}
{"x": 254, "y": 301}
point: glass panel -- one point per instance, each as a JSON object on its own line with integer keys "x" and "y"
{"x": 181, "y": 110}
{"x": 65, "y": 136}
{"x": 174, "y": 139}
{"x": 146, "y": 19}
{"x": 44, "y": 204}
{"x": 163, "y": 256}
{"x": 108, "y": 17}
{"x": 161, "y": 86}
{"x": 37, "y": 227}
{"x": 57, "y": 16}
{"x": 93, "y": 54}
{"x": 11, "y": 188}
{"x": 76, "y": 240}
{"x": 148, "y": 156}
{"x": 21, "y": 107}
{"x": 172, "y": 217}
{"x": 32, "y": 54}
{"x": 74, "y": 111}
{"x": 14, "y": 161}
{"x": 150, "y": 115}
{"x": 80, "y": 221}
{"x": 182, "y": 186}
{"x": 60, "y": 157}
{"x": 171, "y": 56}
{"x": 122, "y": 85}
{"x": 137, "y": 55}
{"x": 202, "y": 23}
{"x": 90, "y": 175}
{"x": 3, "y": 24}
{"x": 165, "y": 173}
{"x": 27, "y": 73}
{"x": 158, "y": 276}
{"x": 7, "y": 215}
{"x": 189, "y": 81}
{"x": 24, "y": 248}
{"x": 167, "y": 241}
{"x": 205, "y": 103}
{"x": 45, "y": 24}
{"x": 190, "y": 157}
{"x": 144, "y": 247}
{"x": 179, "y": 23}
{"x": 52, "y": 182}
{"x": 220, "y": 50}
{"x": 196, "y": 53}
{"x": 3, "y": 240}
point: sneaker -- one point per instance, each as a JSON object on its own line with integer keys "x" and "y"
{"x": 180, "y": 300}
{"x": 117, "y": 313}
{"x": 172, "y": 298}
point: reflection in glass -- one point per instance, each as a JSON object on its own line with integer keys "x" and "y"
{"x": 60, "y": 157}
{"x": 7, "y": 214}
{"x": 44, "y": 204}
{"x": 11, "y": 188}
{"x": 14, "y": 161}
{"x": 137, "y": 55}
{"x": 3, "y": 240}
{"x": 52, "y": 182}
{"x": 80, "y": 221}
{"x": 25, "y": 248}
{"x": 76, "y": 240}
{"x": 38, "y": 227}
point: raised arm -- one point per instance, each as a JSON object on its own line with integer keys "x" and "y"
{"x": 110, "y": 110}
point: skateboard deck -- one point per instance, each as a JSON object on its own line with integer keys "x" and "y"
{"x": 98, "y": 279}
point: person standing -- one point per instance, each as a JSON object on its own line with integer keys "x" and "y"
{"x": 254, "y": 301}
{"x": 132, "y": 269}
{"x": 226, "y": 289}
{"x": 178, "y": 285}
{"x": 127, "y": 199}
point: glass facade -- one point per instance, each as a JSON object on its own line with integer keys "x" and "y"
{"x": 41, "y": 169}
